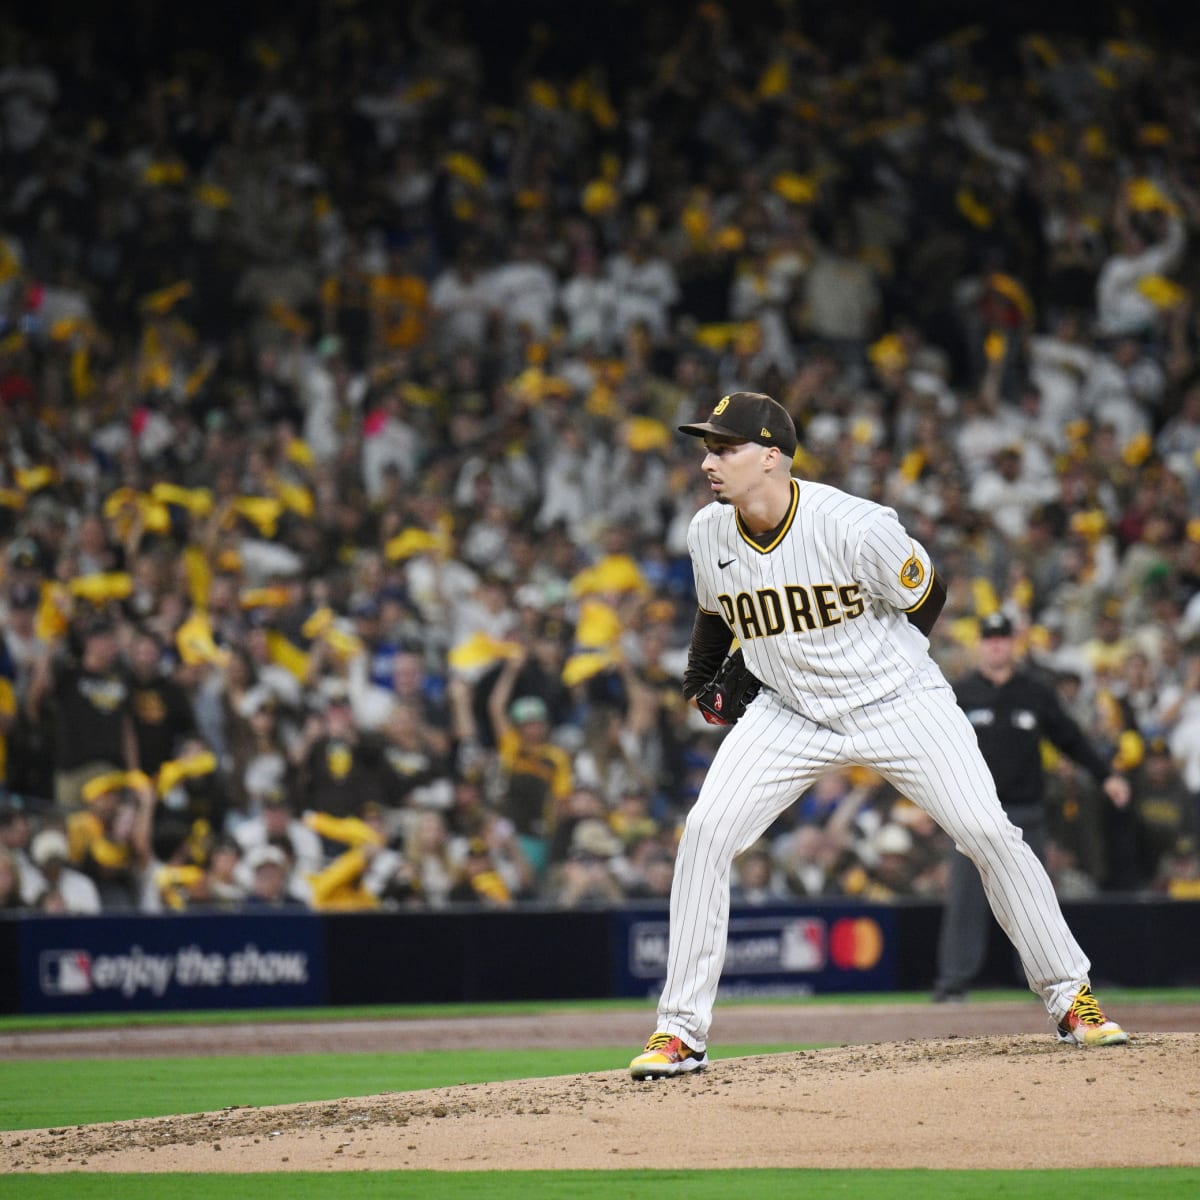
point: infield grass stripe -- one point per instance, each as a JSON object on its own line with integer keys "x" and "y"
{"x": 1162, "y": 1184}
{"x": 44, "y": 1095}
{"x": 1113, "y": 999}
{"x": 418, "y": 1012}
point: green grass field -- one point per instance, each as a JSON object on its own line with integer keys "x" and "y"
{"x": 616, "y": 1185}
{"x": 36, "y": 1095}
{"x": 70, "y": 1092}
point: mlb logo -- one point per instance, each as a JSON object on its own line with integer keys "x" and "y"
{"x": 65, "y": 972}
{"x": 803, "y": 945}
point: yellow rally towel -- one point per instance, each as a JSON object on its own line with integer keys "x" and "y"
{"x": 197, "y": 501}
{"x": 263, "y": 512}
{"x": 479, "y": 651}
{"x": 581, "y": 667}
{"x": 176, "y": 770}
{"x": 466, "y": 168}
{"x": 194, "y": 641}
{"x": 101, "y": 587}
{"x": 350, "y": 831}
{"x": 174, "y": 884}
{"x": 599, "y": 625}
{"x": 277, "y": 596}
{"x": 645, "y": 433}
{"x": 412, "y": 541}
{"x": 287, "y": 654}
{"x": 114, "y": 781}
{"x": 33, "y": 479}
{"x": 614, "y": 573}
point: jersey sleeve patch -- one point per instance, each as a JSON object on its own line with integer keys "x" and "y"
{"x": 912, "y": 573}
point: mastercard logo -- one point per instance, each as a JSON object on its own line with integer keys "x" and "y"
{"x": 855, "y": 943}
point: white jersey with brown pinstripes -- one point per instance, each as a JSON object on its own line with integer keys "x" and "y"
{"x": 820, "y": 610}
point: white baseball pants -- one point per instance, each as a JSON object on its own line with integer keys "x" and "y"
{"x": 923, "y": 744}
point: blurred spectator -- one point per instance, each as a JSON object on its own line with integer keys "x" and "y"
{"x": 807, "y": 856}
{"x": 468, "y": 812}
{"x": 645, "y": 285}
{"x": 609, "y": 761}
{"x": 87, "y": 700}
{"x": 929, "y": 856}
{"x": 1151, "y": 237}
{"x": 841, "y": 295}
{"x": 159, "y": 707}
{"x": 429, "y": 854}
{"x": 269, "y": 870}
{"x": 257, "y": 763}
{"x": 221, "y": 886}
{"x": 1180, "y": 720}
{"x": 67, "y": 890}
{"x": 415, "y": 759}
{"x": 1006, "y": 495}
{"x": 477, "y": 881}
{"x": 110, "y": 839}
{"x": 755, "y": 880}
{"x": 1163, "y": 811}
{"x": 275, "y": 823}
{"x": 20, "y": 648}
{"x": 508, "y": 856}
{"x": 891, "y": 870}
{"x": 1179, "y": 871}
{"x": 409, "y": 682}
{"x": 366, "y": 871}
{"x": 582, "y": 804}
{"x": 1070, "y": 881}
{"x": 1178, "y": 441}
{"x": 214, "y": 884}
{"x": 462, "y": 303}
{"x": 585, "y": 877}
{"x": 650, "y": 869}
{"x": 337, "y": 771}
{"x": 16, "y": 831}
{"x": 589, "y": 303}
{"x": 535, "y": 775}
{"x": 11, "y": 899}
{"x": 631, "y": 818}
{"x": 192, "y": 804}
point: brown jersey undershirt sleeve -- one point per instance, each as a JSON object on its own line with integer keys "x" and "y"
{"x": 928, "y": 611}
{"x": 709, "y": 645}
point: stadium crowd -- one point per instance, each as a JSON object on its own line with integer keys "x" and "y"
{"x": 342, "y": 514}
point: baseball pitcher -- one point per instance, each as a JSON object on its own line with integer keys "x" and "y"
{"x": 830, "y": 601}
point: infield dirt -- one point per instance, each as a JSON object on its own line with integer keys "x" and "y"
{"x": 915, "y": 1086}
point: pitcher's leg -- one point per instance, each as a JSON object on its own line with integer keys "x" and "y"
{"x": 926, "y": 746}
{"x": 763, "y": 764}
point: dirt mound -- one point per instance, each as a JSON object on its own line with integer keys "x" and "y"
{"x": 995, "y": 1101}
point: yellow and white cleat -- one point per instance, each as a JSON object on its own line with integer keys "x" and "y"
{"x": 1086, "y": 1025}
{"x": 666, "y": 1055}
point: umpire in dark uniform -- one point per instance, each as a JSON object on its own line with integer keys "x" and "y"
{"x": 1012, "y": 712}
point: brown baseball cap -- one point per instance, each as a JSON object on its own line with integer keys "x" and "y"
{"x": 752, "y": 417}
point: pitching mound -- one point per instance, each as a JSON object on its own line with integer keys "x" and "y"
{"x": 991, "y": 1102}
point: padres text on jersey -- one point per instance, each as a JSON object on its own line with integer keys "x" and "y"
{"x": 829, "y": 594}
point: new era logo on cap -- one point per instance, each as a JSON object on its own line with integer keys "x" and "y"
{"x": 751, "y": 417}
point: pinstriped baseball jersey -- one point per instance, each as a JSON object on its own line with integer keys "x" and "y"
{"x": 819, "y": 611}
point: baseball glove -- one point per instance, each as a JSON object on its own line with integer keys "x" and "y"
{"x": 724, "y": 698}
